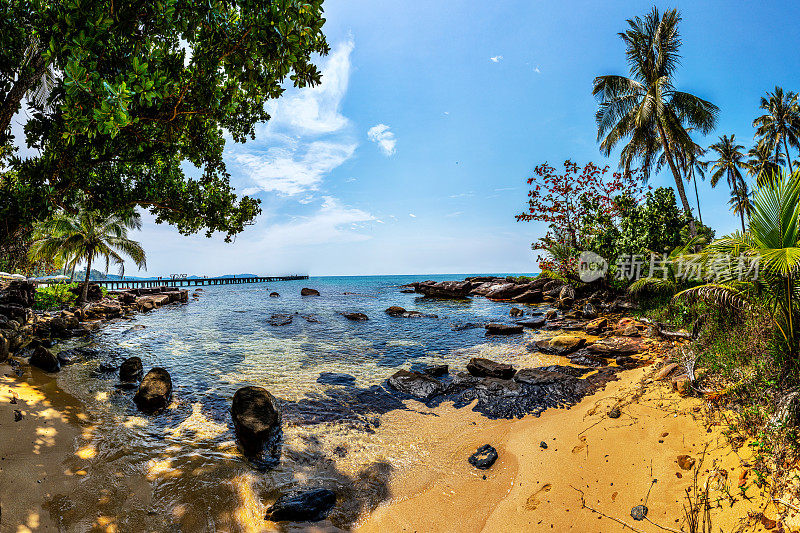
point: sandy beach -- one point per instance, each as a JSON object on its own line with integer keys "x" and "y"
{"x": 615, "y": 464}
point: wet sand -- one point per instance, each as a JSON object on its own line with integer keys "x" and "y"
{"x": 49, "y": 453}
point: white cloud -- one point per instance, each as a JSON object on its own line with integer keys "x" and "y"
{"x": 496, "y": 59}
{"x": 384, "y": 137}
{"x": 457, "y": 213}
{"x": 306, "y": 138}
{"x": 536, "y": 70}
{"x": 412, "y": 215}
{"x": 332, "y": 223}
{"x": 350, "y": 180}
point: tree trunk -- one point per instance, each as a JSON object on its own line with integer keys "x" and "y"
{"x": 85, "y": 290}
{"x": 786, "y": 149}
{"x": 24, "y": 83}
{"x": 741, "y": 217}
{"x": 697, "y": 197}
{"x": 678, "y": 180}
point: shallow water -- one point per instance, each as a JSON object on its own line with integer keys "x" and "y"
{"x": 181, "y": 470}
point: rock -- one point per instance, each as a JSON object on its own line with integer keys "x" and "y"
{"x": 626, "y": 361}
{"x": 131, "y": 370}
{"x": 5, "y": 348}
{"x": 436, "y": 371}
{"x": 18, "y": 293}
{"x": 639, "y": 512}
{"x": 17, "y": 415}
{"x": 94, "y": 293}
{"x": 686, "y": 462}
{"x": 561, "y": 344}
{"x": 612, "y": 347}
{"x": 567, "y": 292}
{"x": 543, "y": 445}
{"x": 336, "y": 378}
{"x": 614, "y": 413}
{"x": 415, "y": 384}
{"x": 446, "y": 289}
{"x": 308, "y": 292}
{"x": 589, "y": 311}
{"x": 355, "y": 316}
{"x": 532, "y": 323}
{"x": 506, "y": 291}
{"x": 481, "y": 367}
{"x": 256, "y": 418}
{"x": 682, "y": 384}
{"x": 666, "y": 371}
{"x": 502, "y": 329}
{"x": 484, "y": 457}
{"x": 540, "y": 376}
{"x": 69, "y": 357}
{"x": 44, "y": 359}
{"x": 280, "y": 320}
{"x": 551, "y": 314}
{"x": 62, "y": 325}
{"x": 596, "y": 326}
{"x": 308, "y": 506}
{"x": 516, "y": 311}
{"x": 787, "y": 412}
{"x": 395, "y": 310}
{"x": 155, "y": 391}
{"x": 528, "y": 297}
{"x": 274, "y": 295}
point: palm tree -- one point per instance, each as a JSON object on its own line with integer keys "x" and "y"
{"x": 740, "y": 201}
{"x": 762, "y": 165}
{"x": 646, "y": 108}
{"x": 688, "y": 161}
{"x": 779, "y": 127}
{"x": 772, "y": 242}
{"x": 730, "y": 160}
{"x": 87, "y": 236}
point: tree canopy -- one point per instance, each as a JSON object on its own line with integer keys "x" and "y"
{"x": 130, "y": 103}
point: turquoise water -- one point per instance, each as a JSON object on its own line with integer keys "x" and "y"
{"x": 224, "y": 340}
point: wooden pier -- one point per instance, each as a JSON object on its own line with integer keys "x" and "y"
{"x": 116, "y": 284}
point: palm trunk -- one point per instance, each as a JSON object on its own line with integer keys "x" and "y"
{"x": 85, "y": 290}
{"x": 697, "y": 197}
{"x": 741, "y": 217}
{"x": 786, "y": 149}
{"x": 678, "y": 181}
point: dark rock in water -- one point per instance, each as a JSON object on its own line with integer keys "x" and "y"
{"x": 131, "y": 370}
{"x": 407, "y": 291}
{"x": 308, "y": 292}
{"x": 589, "y": 311}
{"x": 395, "y": 310}
{"x": 481, "y": 367}
{"x": 639, "y": 512}
{"x": 436, "y": 370}
{"x": 280, "y": 320}
{"x": 155, "y": 391}
{"x": 551, "y": 314}
{"x": 44, "y": 359}
{"x": 484, "y": 458}
{"x": 308, "y": 506}
{"x": 355, "y": 316}
{"x": 516, "y": 311}
{"x": 502, "y": 329}
{"x": 415, "y": 384}
{"x": 107, "y": 366}
{"x": 336, "y": 378}
{"x": 69, "y": 357}
{"x": 274, "y": 295}
{"x": 466, "y": 325}
{"x": 256, "y": 418}
{"x": 532, "y": 323}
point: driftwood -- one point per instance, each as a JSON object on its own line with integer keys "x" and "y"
{"x": 664, "y": 333}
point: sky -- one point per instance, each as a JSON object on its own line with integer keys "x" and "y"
{"x": 412, "y": 155}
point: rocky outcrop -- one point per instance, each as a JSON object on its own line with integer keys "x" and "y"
{"x": 308, "y": 506}
{"x": 560, "y": 344}
{"x": 395, "y": 310}
{"x": 612, "y": 347}
{"x": 480, "y": 367}
{"x": 445, "y": 289}
{"x": 502, "y": 329}
{"x": 357, "y": 317}
{"x": 415, "y": 384}
{"x": 155, "y": 391}
{"x": 548, "y": 374}
{"x": 131, "y": 370}
{"x": 305, "y": 291}
{"x": 44, "y": 359}
{"x": 93, "y": 294}
{"x": 256, "y": 419}
{"x": 531, "y": 323}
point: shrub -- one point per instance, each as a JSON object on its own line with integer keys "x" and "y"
{"x": 57, "y": 296}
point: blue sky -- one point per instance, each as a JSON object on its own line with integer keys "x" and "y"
{"x": 412, "y": 155}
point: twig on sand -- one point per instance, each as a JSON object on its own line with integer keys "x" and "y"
{"x": 601, "y": 513}
{"x": 787, "y": 504}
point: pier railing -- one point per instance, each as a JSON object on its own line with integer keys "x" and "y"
{"x": 115, "y": 284}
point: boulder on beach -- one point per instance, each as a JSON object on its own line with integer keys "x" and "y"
{"x": 155, "y": 391}
{"x": 131, "y": 370}
{"x": 612, "y": 347}
{"x": 503, "y": 329}
{"x": 415, "y": 384}
{"x": 305, "y": 291}
{"x": 484, "y": 457}
{"x": 561, "y": 344}
{"x": 307, "y": 506}
{"x": 598, "y": 325}
{"x": 480, "y": 367}
{"x": 355, "y": 316}
{"x": 5, "y": 348}
{"x": 44, "y": 359}
{"x": 395, "y": 310}
{"x": 256, "y": 418}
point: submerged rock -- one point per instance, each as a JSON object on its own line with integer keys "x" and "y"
{"x": 415, "y": 384}
{"x": 336, "y": 378}
{"x": 395, "y": 310}
{"x": 68, "y": 357}
{"x": 155, "y": 391}
{"x": 131, "y": 370}
{"x": 44, "y": 359}
{"x": 256, "y": 418}
{"x": 280, "y": 320}
{"x": 502, "y": 329}
{"x": 274, "y": 295}
{"x": 305, "y": 291}
{"x": 308, "y": 506}
{"x": 484, "y": 457}
{"x": 355, "y": 316}
{"x": 532, "y": 323}
{"x": 516, "y": 311}
{"x": 480, "y": 367}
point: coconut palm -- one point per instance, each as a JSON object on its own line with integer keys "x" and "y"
{"x": 740, "y": 202}
{"x": 762, "y": 164}
{"x": 87, "y": 236}
{"x": 779, "y": 127}
{"x": 730, "y": 160}
{"x": 772, "y": 242}
{"x": 687, "y": 158}
{"x": 645, "y": 108}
